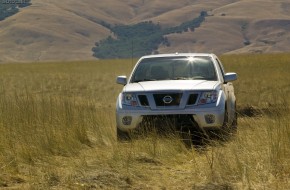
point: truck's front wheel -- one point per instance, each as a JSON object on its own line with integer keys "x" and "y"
{"x": 229, "y": 128}
{"x": 122, "y": 135}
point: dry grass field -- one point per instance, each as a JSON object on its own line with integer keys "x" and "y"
{"x": 57, "y": 131}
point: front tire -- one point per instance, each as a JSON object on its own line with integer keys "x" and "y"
{"x": 186, "y": 136}
{"x": 229, "y": 128}
{"x": 122, "y": 135}
{"x": 234, "y": 126}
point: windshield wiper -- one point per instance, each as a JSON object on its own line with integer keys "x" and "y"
{"x": 189, "y": 78}
{"x": 144, "y": 80}
{"x": 182, "y": 78}
{"x": 198, "y": 78}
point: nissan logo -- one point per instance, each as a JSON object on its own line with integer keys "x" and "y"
{"x": 167, "y": 99}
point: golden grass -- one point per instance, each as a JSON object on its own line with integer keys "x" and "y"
{"x": 57, "y": 130}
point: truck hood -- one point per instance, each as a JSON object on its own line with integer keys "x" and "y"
{"x": 171, "y": 85}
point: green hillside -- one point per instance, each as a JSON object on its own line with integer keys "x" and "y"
{"x": 139, "y": 39}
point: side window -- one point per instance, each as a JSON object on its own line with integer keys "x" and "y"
{"x": 221, "y": 67}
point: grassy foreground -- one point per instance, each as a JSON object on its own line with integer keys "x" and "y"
{"x": 57, "y": 131}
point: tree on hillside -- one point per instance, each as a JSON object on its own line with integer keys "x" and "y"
{"x": 9, "y": 8}
{"x": 139, "y": 39}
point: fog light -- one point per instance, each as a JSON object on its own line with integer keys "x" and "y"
{"x": 127, "y": 120}
{"x": 209, "y": 118}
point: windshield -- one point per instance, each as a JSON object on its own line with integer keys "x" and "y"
{"x": 175, "y": 68}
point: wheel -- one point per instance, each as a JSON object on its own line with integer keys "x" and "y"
{"x": 186, "y": 136}
{"x": 194, "y": 136}
{"x": 225, "y": 129}
{"x": 234, "y": 126}
{"x": 122, "y": 135}
{"x": 228, "y": 129}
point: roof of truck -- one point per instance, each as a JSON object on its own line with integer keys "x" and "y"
{"x": 179, "y": 54}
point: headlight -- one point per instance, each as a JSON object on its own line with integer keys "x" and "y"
{"x": 208, "y": 97}
{"x": 129, "y": 99}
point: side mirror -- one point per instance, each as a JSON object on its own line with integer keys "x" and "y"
{"x": 230, "y": 77}
{"x": 122, "y": 80}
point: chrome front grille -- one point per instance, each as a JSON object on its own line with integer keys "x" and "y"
{"x": 170, "y": 99}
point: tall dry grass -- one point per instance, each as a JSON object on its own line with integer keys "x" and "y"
{"x": 57, "y": 130}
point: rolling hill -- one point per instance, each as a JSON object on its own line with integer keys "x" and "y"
{"x": 68, "y": 30}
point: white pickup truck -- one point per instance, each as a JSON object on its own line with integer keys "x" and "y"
{"x": 187, "y": 90}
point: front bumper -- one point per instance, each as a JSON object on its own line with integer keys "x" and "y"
{"x": 205, "y": 116}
